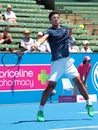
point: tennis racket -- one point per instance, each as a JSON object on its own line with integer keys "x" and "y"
{"x": 10, "y": 61}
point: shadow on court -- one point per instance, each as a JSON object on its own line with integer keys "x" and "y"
{"x": 58, "y": 116}
{"x": 19, "y": 122}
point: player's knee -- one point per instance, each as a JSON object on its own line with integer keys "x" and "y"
{"x": 50, "y": 87}
{"x": 77, "y": 81}
{"x": 52, "y": 84}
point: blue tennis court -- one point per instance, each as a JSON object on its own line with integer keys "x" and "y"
{"x": 58, "y": 116}
{"x": 18, "y": 111}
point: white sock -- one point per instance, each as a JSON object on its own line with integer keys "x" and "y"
{"x": 41, "y": 108}
{"x": 88, "y": 102}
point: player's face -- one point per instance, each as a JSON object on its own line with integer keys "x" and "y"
{"x": 55, "y": 20}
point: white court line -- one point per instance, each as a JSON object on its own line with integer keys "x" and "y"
{"x": 77, "y": 128}
{"x": 95, "y": 112}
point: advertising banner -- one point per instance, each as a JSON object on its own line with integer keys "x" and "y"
{"x": 28, "y": 77}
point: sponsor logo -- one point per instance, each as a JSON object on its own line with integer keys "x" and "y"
{"x": 43, "y": 76}
{"x": 67, "y": 98}
{"x": 33, "y": 77}
{"x": 93, "y": 98}
{"x": 95, "y": 76}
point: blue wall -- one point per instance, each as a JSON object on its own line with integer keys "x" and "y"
{"x": 34, "y": 96}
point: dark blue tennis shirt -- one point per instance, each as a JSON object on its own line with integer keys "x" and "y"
{"x": 58, "y": 41}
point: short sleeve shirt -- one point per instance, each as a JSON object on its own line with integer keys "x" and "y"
{"x": 27, "y": 43}
{"x": 58, "y": 41}
{"x": 9, "y": 15}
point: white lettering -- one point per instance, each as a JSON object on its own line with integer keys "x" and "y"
{"x": 20, "y": 73}
{"x": 20, "y": 83}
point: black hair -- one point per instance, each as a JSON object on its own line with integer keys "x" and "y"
{"x": 52, "y": 13}
{"x": 85, "y": 61}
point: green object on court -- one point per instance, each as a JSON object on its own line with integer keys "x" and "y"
{"x": 90, "y": 110}
{"x": 40, "y": 116}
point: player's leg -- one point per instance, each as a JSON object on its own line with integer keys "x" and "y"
{"x": 46, "y": 92}
{"x": 83, "y": 91}
{"x": 53, "y": 92}
{"x": 84, "y": 83}
{"x": 71, "y": 72}
{"x": 55, "y": 73}
{"x": 75, "y": 90}
{"x": 44, "y": 98}
{"x": 78, "y": 83}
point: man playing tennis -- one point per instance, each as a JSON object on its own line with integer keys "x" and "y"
{"x": 58, "y": 37}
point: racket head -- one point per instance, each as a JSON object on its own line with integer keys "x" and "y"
{"x": 9, "y": 60}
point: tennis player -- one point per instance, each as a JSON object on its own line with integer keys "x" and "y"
{"x": 61, "y": 63}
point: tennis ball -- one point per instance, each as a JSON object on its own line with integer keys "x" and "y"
{"x": 81, "y": 27}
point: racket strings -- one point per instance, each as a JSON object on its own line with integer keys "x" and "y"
{"x": 12, "y": 61}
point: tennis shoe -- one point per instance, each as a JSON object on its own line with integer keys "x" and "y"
{"x": 40, "y": 116}
{"x": 90, "y": 110}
